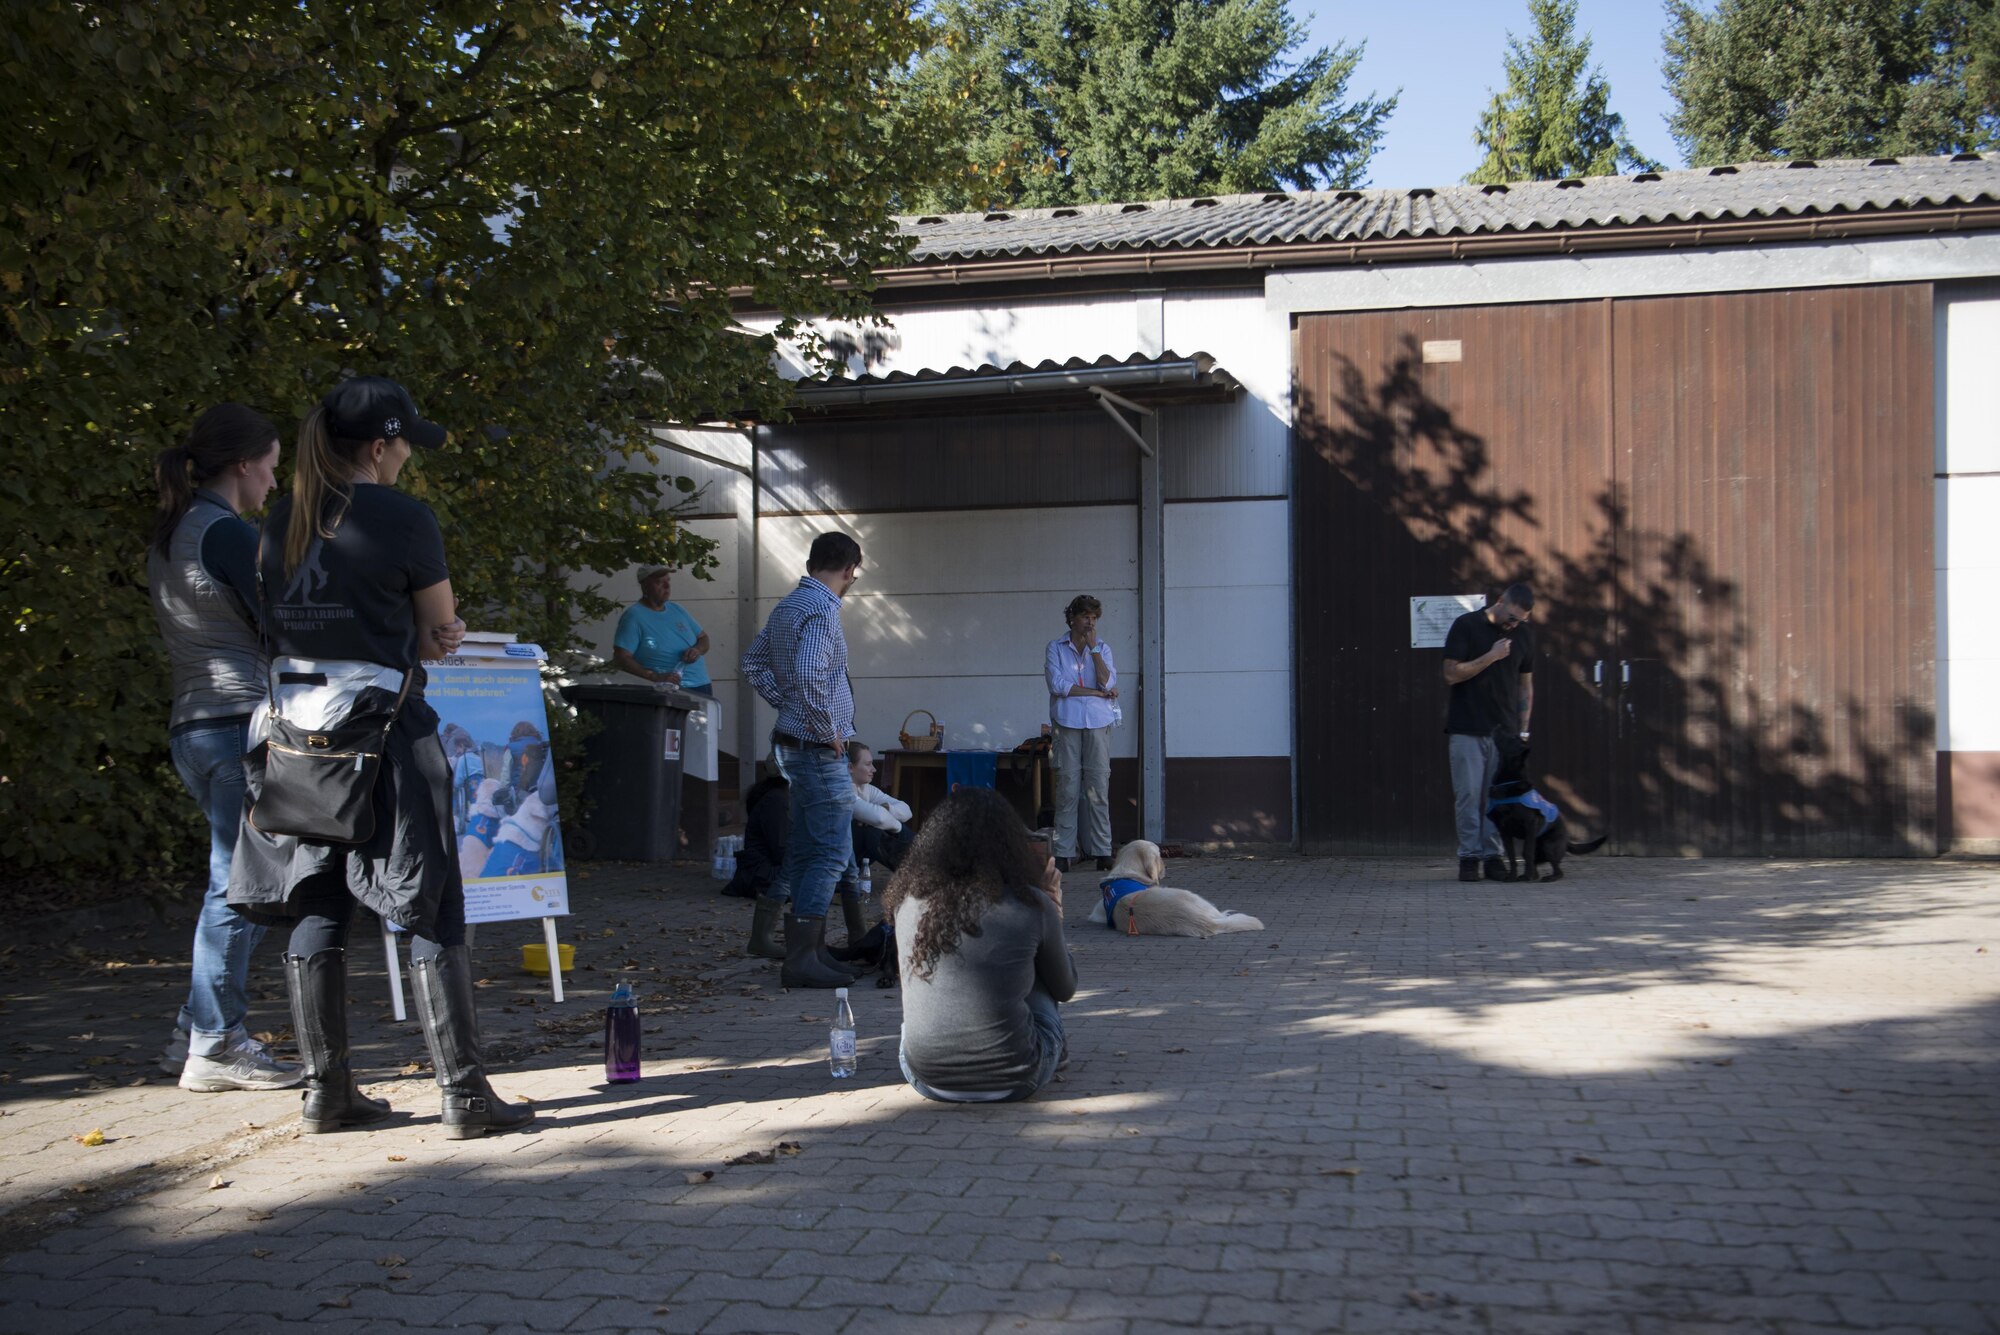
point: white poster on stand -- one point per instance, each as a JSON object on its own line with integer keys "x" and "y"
{"x": 495, "y": 730}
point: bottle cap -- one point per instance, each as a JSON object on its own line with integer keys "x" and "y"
{"x": 839, "y": 992}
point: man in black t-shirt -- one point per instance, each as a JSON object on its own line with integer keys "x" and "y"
{"x": 1489, "y": 662}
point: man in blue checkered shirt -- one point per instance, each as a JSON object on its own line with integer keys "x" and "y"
{"x": 798, "y": 663}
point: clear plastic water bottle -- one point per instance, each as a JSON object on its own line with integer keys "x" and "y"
{"x": 840, "y": 1054}
{"x": 621, "y": 1037}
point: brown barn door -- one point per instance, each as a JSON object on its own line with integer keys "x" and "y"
{"x": 1774, "y": 666}
{"x": 1445, "y": 452}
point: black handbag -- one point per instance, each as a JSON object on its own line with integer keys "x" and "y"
{"x": 319, "y": 784}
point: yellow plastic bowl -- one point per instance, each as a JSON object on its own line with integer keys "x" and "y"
{"x": 535, "y": 958}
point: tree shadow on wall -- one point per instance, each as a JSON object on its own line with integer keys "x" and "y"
{"x": 1670, "y": 711}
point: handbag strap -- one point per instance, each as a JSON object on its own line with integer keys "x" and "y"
{"x": 270, "y": 653}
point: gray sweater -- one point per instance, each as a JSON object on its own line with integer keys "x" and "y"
{"x": 967, "y": 1026}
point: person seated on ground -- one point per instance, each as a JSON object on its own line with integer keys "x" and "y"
{"x": 879, "y": 836}
{"x": 767, "y": 816}
{"x": 979, "y": 938}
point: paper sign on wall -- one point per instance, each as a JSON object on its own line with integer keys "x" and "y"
{"x": 1431, "y": 617}
{"x": 495, "y": 730}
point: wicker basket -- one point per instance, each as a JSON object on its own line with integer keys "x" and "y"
{"x": 929, "y": 739}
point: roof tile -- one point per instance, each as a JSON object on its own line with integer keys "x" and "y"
{"x": 1750, "y": 191}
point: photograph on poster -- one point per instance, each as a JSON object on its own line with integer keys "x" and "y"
{"x": 494, "y": 728}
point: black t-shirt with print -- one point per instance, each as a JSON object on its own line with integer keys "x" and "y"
{"x": 350, "y": 597}
{"x": 1482, "y": 705}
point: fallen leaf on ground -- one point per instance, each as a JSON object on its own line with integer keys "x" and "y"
{"x": 696, "y": 1179}
{"x": 1055, "y": 1258}
{"x": 753, "y": 1156}
{"x": 412, "y": 1068}
{"x": 1586, "y": 1160}
{"x": 260, "y": 1252}
{"x": 1726, "y": 1061}
{"x": 1419, "y": 1298}
{"x": 391, "y": 1262}
{"x": 790, "y": 1147}
{"x": 259, "y": 1216}
{"x": 398, "y": 1158}
{"x": 1340, "y": 1172}
{"x": 336, "y": 1302}
{"x": 218, "y": 1182}
{"x": 83, "y": 1038}
{"x": 399, "y": 1274}
{"x": 93, "y": 1137}
{"x": 1176, "y": 1049}
{"x": 357, "y": 1186}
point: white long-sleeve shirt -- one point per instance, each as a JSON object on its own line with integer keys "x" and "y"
{"x": 1066, "y": 667}
{"x": 875, "y": 808}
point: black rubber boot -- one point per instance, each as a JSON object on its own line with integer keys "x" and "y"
{"x": 1496, "y": 870}
{"x": 850, "y": 909}
{"x": 443, "y": 988}
{"x": 318, "y": 984}
{"x": 1468, "y": 869}
{"x": 806, "y": 962}
{"x": 765, "y": 943}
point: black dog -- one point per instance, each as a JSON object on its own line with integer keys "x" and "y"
{"x": 1526, "y": 819}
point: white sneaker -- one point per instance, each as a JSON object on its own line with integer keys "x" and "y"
{"x": 244, "y": 1064}
{"x": 174, "y": 1056}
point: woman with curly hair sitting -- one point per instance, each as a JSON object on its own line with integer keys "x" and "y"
{"x": 979, "y": 933}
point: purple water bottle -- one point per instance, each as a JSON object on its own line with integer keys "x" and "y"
{"x": 621, "y": 1037}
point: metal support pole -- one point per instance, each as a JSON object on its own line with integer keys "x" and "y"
{"x": 748, "y": 747}
{"x": 1152, "y": 639}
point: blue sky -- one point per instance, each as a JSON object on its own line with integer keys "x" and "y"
{"x": 1445, "y": 56}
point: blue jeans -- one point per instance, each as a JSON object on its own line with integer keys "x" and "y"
{"x": 1474, "y": 760}
{"x": 209, "y": 759}
{"x": 820, "y": 844}
{"x": 1049, "y": 1047}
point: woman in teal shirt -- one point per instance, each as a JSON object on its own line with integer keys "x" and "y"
{"x": 658, "y": 640}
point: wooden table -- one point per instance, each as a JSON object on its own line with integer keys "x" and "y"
{"x": 906, "y": 773}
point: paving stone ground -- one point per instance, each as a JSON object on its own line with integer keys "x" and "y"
{"x": 1659, "y": 1096}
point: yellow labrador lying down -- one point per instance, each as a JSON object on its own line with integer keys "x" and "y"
{"x": 1135, "y": 902}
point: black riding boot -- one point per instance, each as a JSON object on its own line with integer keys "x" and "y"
{"x": 765, "y": 942}
{"x": 318, "y": 984}
{"x": 443, "y": 988}
{"x": 851, "y": 909}
{"x": 806, "y": 962}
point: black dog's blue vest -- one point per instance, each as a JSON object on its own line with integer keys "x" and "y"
{"x": 1531, "y": 799}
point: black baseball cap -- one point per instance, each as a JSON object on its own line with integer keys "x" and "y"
{"x": 373, "y": 407}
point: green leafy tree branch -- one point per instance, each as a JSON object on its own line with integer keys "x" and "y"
{"x": 532, "y": 212}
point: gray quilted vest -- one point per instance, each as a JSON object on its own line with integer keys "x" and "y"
{"x": 218, "y": 666}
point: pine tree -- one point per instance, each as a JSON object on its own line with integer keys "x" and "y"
{"x": 1553, "y": 121}
{"x": 1067, "y": 101}
{"x": 1833, "y": 78}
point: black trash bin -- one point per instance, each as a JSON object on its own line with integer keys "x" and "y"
{"x": 634, "y": 788}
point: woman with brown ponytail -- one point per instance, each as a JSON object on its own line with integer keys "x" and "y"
{"x": 354, "y": 580}
{"x": 200, "y": 568}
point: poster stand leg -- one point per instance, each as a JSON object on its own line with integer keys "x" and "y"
{"x": 395, "y": 966}
{"x": 555, "y": 957}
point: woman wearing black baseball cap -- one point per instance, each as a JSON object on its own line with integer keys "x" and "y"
{"x": 353, "y": 574}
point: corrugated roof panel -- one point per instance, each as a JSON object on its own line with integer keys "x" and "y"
{"x": 1752, "y": 191}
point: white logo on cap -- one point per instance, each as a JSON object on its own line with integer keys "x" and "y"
{"x": 393, "y": 427}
